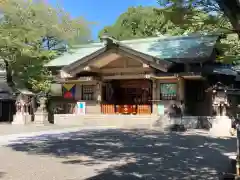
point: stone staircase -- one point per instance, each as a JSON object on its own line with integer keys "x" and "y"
{"x": 124, "y": 121}
{"x": 118, "y": 121}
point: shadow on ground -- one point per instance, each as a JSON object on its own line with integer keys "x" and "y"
{"x": 147, "y": 155}
{"x": 2, "y": 174}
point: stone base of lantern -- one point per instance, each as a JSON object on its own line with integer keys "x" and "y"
{"x": 21, "y": 119}
{"x": 221, "y": 126}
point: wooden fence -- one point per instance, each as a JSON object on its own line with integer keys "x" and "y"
{"x": 126, "y": 109}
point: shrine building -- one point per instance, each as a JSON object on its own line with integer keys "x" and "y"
{"x": 138, "y": 77}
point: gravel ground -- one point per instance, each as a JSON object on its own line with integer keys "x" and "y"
{"x": 21, "y": 166}
{"x": 8, "y": 129}
{"x": 116, "y": 155}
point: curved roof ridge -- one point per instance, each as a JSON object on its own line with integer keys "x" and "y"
{"x": 166, "y": 37}
{"x": 88, "y": 45}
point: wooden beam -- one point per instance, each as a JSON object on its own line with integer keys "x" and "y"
{"x": 165, "y": 77}
{"x": 138, "y": 76}
{"x": 193, "y": 77}
{"x": 125, "y": 70}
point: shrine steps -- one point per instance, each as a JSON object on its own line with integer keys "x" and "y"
{"x": 126, "y": 121}
{"x": 118, "y": 121}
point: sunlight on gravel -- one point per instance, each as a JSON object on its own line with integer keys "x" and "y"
{"x": 116, "y": 154}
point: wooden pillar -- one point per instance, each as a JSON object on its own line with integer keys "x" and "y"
{"x": 154, "y": 97}
{"x": 98, "y": 95}
{"x": 181, "y": 89}
{"x": 98, "y": 92}
{"x": 78, "y": 94}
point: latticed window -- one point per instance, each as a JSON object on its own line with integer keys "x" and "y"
{"x": 88, "y": 92}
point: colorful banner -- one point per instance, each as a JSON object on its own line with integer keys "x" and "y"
{"x": 69, "y": 90}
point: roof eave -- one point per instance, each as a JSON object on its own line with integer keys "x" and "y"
{"x": 83, "y": 60}
{"x": 111, "y": 44}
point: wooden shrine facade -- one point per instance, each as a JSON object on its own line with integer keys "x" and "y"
{"x": 119, "y": 80}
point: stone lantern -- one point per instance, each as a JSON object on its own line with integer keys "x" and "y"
{"x": 41, "y": 115}
{"x": 220, "y": 100}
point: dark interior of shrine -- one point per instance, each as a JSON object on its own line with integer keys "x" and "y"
{"x": 128, "y": 92}
{"x": 194, "y": 96}
{"x": 7, "y": 110}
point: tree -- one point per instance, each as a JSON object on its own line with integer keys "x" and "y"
{"x": 179, "y": 12}
{"x": 180, "y": 8}
{"x": 33, "y": 32}
{"x": 142, "y": 22}
{"x": 137, "y": 22}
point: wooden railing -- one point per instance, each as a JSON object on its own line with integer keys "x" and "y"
{"x": 108, "y": 108}
{"x": 144, "y": 109}
{"x": 126, "y": 109}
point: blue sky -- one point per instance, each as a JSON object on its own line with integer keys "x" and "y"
{"x": 103, "y": 12}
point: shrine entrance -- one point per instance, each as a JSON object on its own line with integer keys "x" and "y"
{"x": 197, "y": 101}
{"x": 7, "y": 109}
{"x": 127, "y": 97}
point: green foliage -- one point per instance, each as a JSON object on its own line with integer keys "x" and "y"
{"x": 141, "y": 22}
{"x": 137, "y": 23}
{"x": 229, "y": 9}
{"x": 177, "y": 19}
{"x": 230, "y": 46}
{"x": 32, "y": 33}
{"x": 216, "y": 21}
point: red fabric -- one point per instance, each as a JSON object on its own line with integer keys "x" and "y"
{"x": 68, "y": 95}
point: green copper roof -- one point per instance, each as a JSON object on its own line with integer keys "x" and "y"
{"x": 166, "y": 47}
{"x": 76, "y": 54}
{"x": 182, "y": 47}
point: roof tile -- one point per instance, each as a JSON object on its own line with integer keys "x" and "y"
{"x": 166, "y": 47}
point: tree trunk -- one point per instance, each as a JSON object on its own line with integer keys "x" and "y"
{"x": 8, "y": 73}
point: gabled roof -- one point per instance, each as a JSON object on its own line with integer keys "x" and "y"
{"x": 177, "y": 47}
{"x": 221, "y": 69}
{"x": 165, "y": 48}
{"x": 225, "y": 71}
{"x": 76, "y": 54}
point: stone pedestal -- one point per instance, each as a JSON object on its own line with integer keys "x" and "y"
{"x": 41, "y": 118}
{"x": 21, "y": 119}
{"x": 41, "y": 115}
{"x": 221, "y": 126}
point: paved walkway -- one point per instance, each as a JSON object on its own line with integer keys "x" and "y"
{"x": 7, "y": 129}
{"x": 107, "y": 154}
{"x": 9, "y": 133}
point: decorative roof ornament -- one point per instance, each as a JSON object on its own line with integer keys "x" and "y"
{"x": 107, "y": 40}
